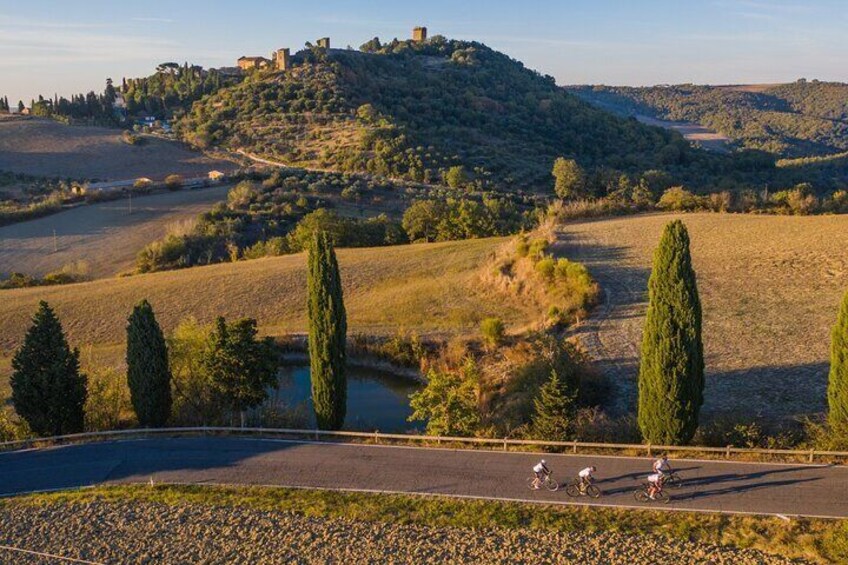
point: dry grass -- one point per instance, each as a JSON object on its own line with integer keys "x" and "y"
{"x": 770, "y": 288}
{"x": 105, "y": 236}
{"x": 429, "y": 288}
{"x": 46, "y": 148}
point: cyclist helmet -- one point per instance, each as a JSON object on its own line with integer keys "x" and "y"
{"x": 544, "y": 462}
{"x": 594, "y": 468}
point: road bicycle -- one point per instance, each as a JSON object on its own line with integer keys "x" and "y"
{"x": 546, "y": 482}
{"x": 642, "y": 495}
{"x": 673, "y": 480}
{"x": 576, "y": 488}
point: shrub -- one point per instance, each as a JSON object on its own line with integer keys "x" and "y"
{"x": 492, "y": 330}
{"x": 173, "y": 182}
{"x": 678, "y": 199}
{"x": 448, "y": 403}
{"x": 108, "y": 405}
{"x": 546, "y": 268}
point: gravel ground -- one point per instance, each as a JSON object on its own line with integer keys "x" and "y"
{"x": 137, "y": 532}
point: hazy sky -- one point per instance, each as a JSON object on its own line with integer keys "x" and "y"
{"x": 66, "y": 46}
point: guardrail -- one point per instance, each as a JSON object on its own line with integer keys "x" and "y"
{"x": 378, "y": 437}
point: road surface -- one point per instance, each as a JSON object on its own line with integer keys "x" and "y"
{"x": 712, "y": 486}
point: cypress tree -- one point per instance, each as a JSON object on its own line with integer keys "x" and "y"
{"x": 555, "y": 409}
{"x": 327, "y": 334}
{"x": 837, "y": 386}
{"x": 671, "y": 370}
{"x": 48, "y": 390}
{"x": 148, "y": 374}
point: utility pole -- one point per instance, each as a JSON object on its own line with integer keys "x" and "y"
{"x": 130, "y": 193}
{"x": 55, "y": 245}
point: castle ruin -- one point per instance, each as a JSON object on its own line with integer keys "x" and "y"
{"x": 419, "y": 33}
{"x": 282, "y": 59}
{"x": 324, "y": 43}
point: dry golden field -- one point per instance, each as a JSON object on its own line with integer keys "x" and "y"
{"x": 42, "y": 147}
{"x": 428, "y": 288}
{"x": 103, "y": 238}
{"x": 770, "y": 288}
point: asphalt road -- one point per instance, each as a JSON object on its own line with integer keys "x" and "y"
{"x": 733, "y": 487}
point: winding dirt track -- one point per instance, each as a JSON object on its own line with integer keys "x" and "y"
{"x": 770, "y": 288}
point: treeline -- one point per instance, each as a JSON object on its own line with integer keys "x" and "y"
{"x": 280, "y": 214}
{"x": 171, "y": 88}
{"x": 800, "y": 119}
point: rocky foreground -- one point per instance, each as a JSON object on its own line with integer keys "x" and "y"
{"x": 137, "y": 532}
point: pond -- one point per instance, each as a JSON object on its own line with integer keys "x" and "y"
{"x": 375, "y": 400}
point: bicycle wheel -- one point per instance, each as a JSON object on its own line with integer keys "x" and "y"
{"x": 531, "y": 483}
{"x": 572, "y": 490}
{"x": 551, "y": 484}
{"x": 641, "y": 496}
{"x": 663, "y": 497}
{"x": 675, "y": 481}
{"x": 593, "y": 491}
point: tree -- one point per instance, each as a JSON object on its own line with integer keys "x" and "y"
{"x": 671, "y": 371}
{"x": 195, "y": 400}
{"x": 569, "y": 178}
{"x": 241, "y": 367}
{"x": 555, "y": 408}
{"x": 327, "y": 334}
{"x": 148, "y": 373}
{"x": 837, "y": 386}
{"x": 21, "y": 106}
{"x": 449, "y": 402}
{"x": 48, "y": 390}
{"x": 456, "y": 177}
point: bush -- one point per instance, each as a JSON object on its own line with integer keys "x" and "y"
{"x": 678, "y": 199}
{"x": 546, "y": 268}
{"x": 493, "y": 331}
{"x": 108, "y": 405}
{"x": 173, "y": 182}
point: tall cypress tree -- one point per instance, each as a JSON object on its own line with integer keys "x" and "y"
{"x": 148, "y": 374}
{"x": 837, "y": 386}
{"x": 48, "y": 390}
{"x": 671, "y": 370}
{"x": 327, "y": 334}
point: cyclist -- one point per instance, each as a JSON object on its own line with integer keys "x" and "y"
{"x": 661, "y": 466}
{"x": 655, "y": 485}
{"x": 541, "y": 471}
{"x": 585, "y": 477}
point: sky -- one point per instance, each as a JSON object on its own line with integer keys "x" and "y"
{"x": 58, "y": 46}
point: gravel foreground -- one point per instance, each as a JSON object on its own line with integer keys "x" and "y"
{"x": 140, "y": 532}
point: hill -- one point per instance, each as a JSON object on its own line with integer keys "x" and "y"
{"x": 415, "y": 109}
{"x": 768, "y": 304}
{"x": 46, "y": 148}
{"x": 423, "y": 287}
{"x": 800, "y": 119}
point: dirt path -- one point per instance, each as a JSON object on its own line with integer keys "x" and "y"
{"x": 105, "y": 236}
{"x": 770, "y": 288}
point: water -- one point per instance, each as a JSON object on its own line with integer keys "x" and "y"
{"x": 375, "y": 400}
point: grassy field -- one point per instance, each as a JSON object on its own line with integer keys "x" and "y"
{"x": 105, "y": 237}
{"x": 597, "y": 534}
{"x": 43, "y": 147}
{"x": 427, "y": 288}
{"x": 770, "y": 288}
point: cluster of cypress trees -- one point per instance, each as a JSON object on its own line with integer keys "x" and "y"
{"x": 327, "y": 334}
{"x": 49, "y": 392}
{"x": 837, "y": 388}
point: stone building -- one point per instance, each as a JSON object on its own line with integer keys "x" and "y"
{"x": 324, "y": 43}
{"x": 419, "y": 33}
{"x": 247, "y": 63}
{"x": 282, "y": 59}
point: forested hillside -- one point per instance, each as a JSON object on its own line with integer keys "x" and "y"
{"x": 800, "y": 119}
{"x": 414, "y": 110}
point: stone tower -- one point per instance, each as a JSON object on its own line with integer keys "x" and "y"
{"x": 324, "y": 43}
{"x": 282, "y": 59}
{"x": 419, "y": 33}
